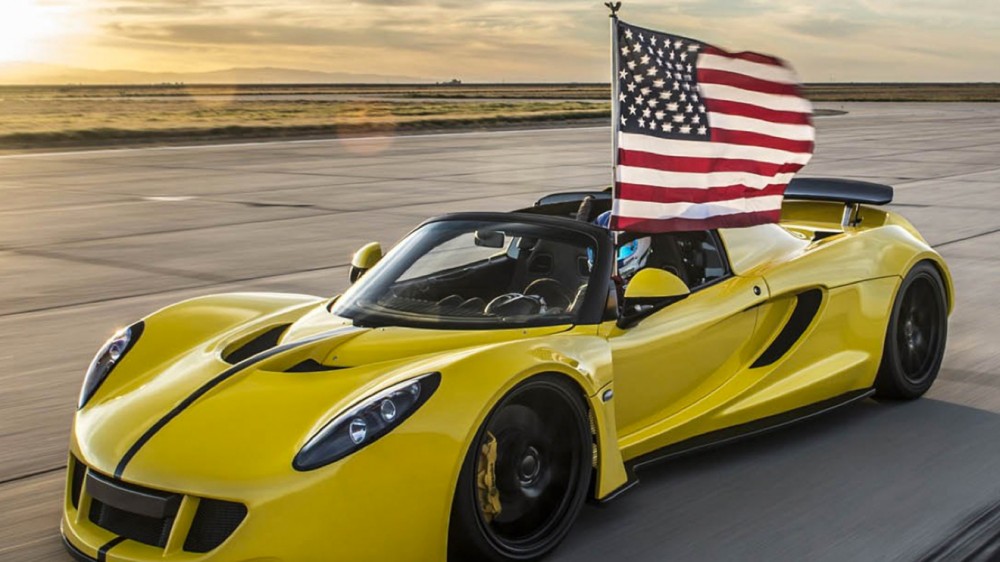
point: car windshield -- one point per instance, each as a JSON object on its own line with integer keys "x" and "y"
{"x": 476, "y": 274}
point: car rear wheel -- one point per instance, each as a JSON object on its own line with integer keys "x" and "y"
{"x": 915, "y": 340}
{"x": 525, "y": 476}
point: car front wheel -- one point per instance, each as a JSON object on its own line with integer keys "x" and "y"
{"x": 525, "y": 476}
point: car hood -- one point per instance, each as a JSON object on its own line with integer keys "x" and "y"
{"x": 195, "y": 418}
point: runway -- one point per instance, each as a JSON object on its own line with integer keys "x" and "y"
{"x": 90, "y": 241}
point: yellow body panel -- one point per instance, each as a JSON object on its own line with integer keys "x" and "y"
{"x": 682, "y": 372}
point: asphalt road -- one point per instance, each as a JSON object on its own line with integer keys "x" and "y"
{"x": 89, "y": 241}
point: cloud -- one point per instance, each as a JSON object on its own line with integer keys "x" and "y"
{"x": 529, "y": 40}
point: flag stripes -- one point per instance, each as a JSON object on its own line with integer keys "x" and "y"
{"x": 706, "y": 138}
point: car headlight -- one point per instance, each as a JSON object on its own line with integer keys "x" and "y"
{"x": 104, "y": 362}
{"x": 365, "y": 422}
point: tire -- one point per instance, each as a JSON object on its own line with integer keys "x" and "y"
{"x": 916, "y": 336}
{"x": 543, "y": 463}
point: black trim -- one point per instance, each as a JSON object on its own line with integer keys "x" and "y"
{"x": 102, "y": 553}
{"x": 141, "y": 501}
{"x": 844, "y": 191}
{"x": 203, "y": 389}
{"x": 738, "y": 433}
{"x": 806, "y": 306}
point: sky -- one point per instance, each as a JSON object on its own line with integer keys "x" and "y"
{"x": 502, "y": 40}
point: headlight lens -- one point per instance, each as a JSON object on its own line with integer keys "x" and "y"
{"x": 104, "y": 362}
{"x": 366, "y": 422}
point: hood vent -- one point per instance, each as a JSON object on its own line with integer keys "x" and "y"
{"x": 256, "y": 344}
{"x": 311, "y": 366}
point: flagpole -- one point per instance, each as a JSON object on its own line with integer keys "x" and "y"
{"x": 615, "y": 106}
{"x": 615, "y": 110}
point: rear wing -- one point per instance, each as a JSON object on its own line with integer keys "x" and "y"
{"x": 852, "y": 193}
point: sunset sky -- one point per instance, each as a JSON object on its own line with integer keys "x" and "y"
{"x": 502, "y": 40}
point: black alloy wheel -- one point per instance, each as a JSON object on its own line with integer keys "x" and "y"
{"x": 915, "y": 340}
{"x": 526, "y": 475}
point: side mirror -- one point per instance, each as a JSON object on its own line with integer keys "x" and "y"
{"x": 650, "y": 290}
{"x": 489, "y": 239}
{"x": 365, "y": 259}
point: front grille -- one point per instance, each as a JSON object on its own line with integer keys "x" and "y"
{"x": 134, "y": 512}
{"x": 147, "y": 530}
{"x": 213, "y": 523}
{"x": 147, "y": 515}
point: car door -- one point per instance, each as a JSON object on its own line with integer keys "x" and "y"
{"x": 679, "y": 355}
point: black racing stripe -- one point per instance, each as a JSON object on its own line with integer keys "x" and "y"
{"x": 102, "y": 553}
{"x": 205, "y": 388}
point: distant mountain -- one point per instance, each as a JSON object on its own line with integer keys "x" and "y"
{"x": 48, "y": 74}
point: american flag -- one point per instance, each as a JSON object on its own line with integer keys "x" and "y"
{"x": 706, "y": 138}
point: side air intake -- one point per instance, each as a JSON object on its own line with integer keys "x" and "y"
{"x": 806, "y": 306}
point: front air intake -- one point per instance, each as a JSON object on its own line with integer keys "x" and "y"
{"x": 213, "y": 523}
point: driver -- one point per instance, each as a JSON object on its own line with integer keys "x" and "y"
{"x": 632, "y": 255}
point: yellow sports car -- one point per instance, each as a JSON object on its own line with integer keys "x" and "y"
{"x": 486, "y": 377}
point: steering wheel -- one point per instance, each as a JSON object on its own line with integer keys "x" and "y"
{"x": 515, "y": 304}
{"x": 552, "y": 292}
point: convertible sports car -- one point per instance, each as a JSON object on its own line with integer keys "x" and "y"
{"x": 487, "y": 376}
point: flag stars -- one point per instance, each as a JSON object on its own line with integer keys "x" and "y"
{"x": 657, "y": 85}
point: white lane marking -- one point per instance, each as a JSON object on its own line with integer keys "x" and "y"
{"x": 168, "y": 198}
{"x": 85, "y": 152}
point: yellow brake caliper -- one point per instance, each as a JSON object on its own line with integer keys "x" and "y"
{"x": 486, "y": 479}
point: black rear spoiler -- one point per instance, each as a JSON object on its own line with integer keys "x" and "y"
{"x": 843, "y": 191}
{"x": 849, "y": 192}
{"x": 852, "y": 193}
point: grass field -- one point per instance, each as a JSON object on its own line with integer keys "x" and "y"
{"x": 34, "y": 117}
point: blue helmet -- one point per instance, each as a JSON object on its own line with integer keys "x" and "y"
{"x": 633, "y": 255}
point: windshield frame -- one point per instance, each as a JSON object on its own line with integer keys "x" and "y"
{"x": 590, "y": 312}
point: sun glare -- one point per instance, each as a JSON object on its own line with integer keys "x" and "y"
{"x": 24, "y": 26}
